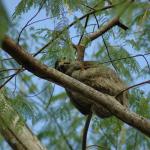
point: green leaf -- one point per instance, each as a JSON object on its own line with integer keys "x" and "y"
{"x": 4, "y": 21}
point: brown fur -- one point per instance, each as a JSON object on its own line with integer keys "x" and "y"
{"x": 97, "y": 76}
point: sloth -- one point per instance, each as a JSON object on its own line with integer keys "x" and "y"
{"x": 97, "y": 76}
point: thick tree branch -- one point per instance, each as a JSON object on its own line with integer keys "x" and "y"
{"x": 50, "y": 74}
{"x": 17, "y": 134}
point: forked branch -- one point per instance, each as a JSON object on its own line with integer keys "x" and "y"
{"x": 50, "y": 74}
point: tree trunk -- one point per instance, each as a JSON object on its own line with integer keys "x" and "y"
{"x": 13, "y": 129}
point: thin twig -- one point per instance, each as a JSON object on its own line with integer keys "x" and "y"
{"x": 6, "y": 59}
{"x": 15, "y": 86}
{"x": 109, "y": 54}
{"x": 40, "y": 20}
{"x": 42, "y": 3}
{"x": 91, "y": 8}
{"x": 6, "y": 77}
{"x": 105, "y": 45}
{"x": 86, "y": 22}
{"x": 11, "y": 69}
{"x": 121, "y": 25}
{"x": 130, "y": 87}
{"x": 70, "y": 25}
{"x": 37, "y": 21}
{"x": 36, "y": 94}
{"x": 138, "y": 55}
{"x": 50, "y": 97}
{"x": 12, "y": 76}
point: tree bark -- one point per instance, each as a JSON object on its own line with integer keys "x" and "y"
{"x": 13, "y": 129}
{"x": 50, "y": 74}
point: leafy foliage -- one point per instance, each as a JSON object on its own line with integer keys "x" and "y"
{"x": 58, "y": 124}
{"x": 8, "y": 115}
{"x": 24, "y": 6}
{"x": 4, "y": 23}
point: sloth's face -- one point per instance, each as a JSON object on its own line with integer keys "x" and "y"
{"x": 62, "y": 65}
{"x": 68, "y": 67}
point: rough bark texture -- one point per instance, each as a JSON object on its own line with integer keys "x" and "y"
{"x": 50, "y": 74}
{"x": 16, "y": 133}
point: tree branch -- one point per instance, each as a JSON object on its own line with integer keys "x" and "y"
{"x": 121, "y": 25}
{"x": 41, "y": 5}
{"x": 130, "y": 87}
{"x": 115, "y": 21}
{"x": 70, "y": 25}
{"x": 50, "y": 74}
{"x": 85, "y": 131}
{"x": 100, "y": 31}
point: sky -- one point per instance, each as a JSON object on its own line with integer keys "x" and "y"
{"x": 10, "y": 6}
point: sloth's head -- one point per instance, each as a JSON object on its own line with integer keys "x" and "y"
{"x": 62, "y": 65}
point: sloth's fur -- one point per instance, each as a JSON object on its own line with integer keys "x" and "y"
{"x": 98, "y": 77}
